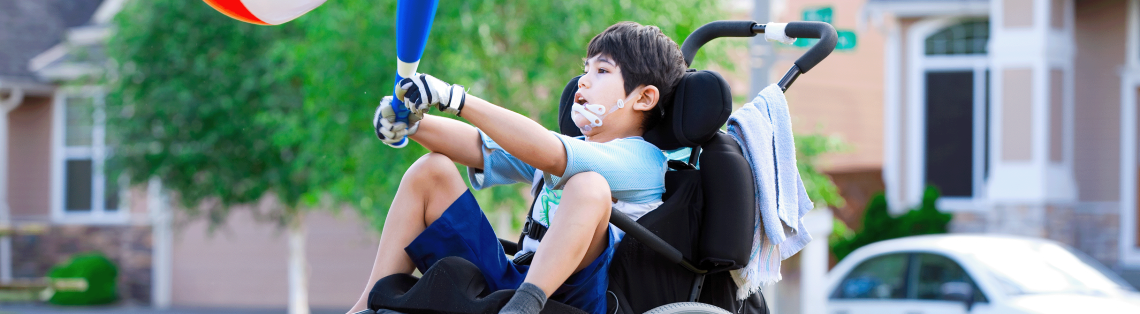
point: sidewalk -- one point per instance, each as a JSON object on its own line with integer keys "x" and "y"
{"x": 48, "y": 309}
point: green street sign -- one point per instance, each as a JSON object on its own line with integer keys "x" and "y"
{"x": 846, "y": 41}
{"x": 822, "y": 14}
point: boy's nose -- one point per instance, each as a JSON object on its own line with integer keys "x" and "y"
{"x": 582, "y": 82}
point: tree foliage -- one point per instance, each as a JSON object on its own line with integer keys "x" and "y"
{"x": 878, "y": 224}
{"x": 185, "y": 97}
{"x": 224, "y": 112}
{"x": 820, "y": 188}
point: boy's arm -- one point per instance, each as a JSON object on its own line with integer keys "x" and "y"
{"x": 452, "y": 138}
{"x": 520, "y": 136}
{"x": 516, "y": 134}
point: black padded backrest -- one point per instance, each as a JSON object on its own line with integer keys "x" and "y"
{"x": 729, "y": 217}
{"x": 701, "y": 104}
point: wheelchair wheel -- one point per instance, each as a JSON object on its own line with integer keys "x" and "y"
{"x": 687, "y": 308}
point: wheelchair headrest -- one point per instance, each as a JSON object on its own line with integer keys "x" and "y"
{"x": 701, "y": 104}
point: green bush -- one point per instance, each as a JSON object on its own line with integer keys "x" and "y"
{"x": 878, "y": 224}
{"x": 99, "y": 273}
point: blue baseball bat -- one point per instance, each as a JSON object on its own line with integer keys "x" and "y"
{"x": 413, "y": 24}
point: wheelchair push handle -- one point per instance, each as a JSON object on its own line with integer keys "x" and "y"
{"x": 827, "y": 40}
{"x": 823, "y": 31}
{"x": 714, "y": 30}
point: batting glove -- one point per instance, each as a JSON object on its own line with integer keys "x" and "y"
{"x": 390, "y": 131}
{"x": 421, "y": 92}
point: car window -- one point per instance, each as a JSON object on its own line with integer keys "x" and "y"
{"x": 882, "y": 277}
{"x": 933, "y": 272}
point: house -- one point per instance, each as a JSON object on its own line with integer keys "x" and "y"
{"x": 57, "y": 200}
{"x": 1022, "y": 112}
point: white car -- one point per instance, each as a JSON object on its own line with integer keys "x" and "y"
{"x": 978, "y": 274}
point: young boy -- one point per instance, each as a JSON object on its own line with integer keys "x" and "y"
{"x": 630, "y": 71}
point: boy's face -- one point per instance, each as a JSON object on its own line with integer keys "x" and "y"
{"x": 602, "y": 84}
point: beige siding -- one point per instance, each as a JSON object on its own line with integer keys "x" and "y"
{"x": 843, "y": 95}
{"x": 244, "y": 263}
{"x": 1056, "y": 115}
{"x": 29, "y": 159}
{"x": 904, "y": 27}
{"x": 1100, "y": 39}
{"x": 1018, "y": 13}
{"x": 1017, "y": 114}
{"x": 1057, "y": 14}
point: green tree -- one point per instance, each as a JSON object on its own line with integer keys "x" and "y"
{"x": 820, "y": 188}
{"x": 878, "y": 224}
{"x": 225, "y": 113}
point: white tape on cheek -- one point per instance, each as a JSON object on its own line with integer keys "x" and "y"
{"x": 585, "y": 113}
{"x": 775, "y": 32}
{"x": 594, "y": 113}
{"x": 596, "y": 109}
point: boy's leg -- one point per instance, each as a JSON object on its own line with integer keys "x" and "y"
{"x": 578, "y": 234}
{"x": 427, "y": 189}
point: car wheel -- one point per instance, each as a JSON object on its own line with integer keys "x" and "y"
{"x": 687, "y": 308}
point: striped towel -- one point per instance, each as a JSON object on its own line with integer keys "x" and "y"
{"x": 763, "y": 128}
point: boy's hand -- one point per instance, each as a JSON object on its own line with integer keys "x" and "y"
{"x": 387, "y": 129}
{"x": 421, "y": 92}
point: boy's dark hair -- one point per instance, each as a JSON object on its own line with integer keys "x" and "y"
{"x": 646, "y": 57}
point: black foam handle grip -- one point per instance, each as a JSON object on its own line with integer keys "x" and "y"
{"x": 639, "y": 232}
{"x": 714, "y": 30}
{"x": 827, "y": 39}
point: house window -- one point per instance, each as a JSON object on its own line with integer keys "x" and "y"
{"x": 967, "y": 38}
{"x": 956, "y": 106}
{"x": 87, "y": 192}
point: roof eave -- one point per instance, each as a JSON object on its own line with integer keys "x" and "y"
{"x": 910, "y": 9}
{"x": 28, "y": 87}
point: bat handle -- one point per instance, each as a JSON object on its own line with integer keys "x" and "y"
{"x": 401, "y": 112}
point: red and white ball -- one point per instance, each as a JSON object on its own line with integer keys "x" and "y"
{"x": 264, "y": 12}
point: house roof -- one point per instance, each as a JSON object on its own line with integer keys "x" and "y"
{"x": 915, "y": 8}
{"x": 28, "y": 28}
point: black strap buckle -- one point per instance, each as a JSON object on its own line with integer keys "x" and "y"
{"x": 534, "y": 230}
{"x": 524, "y": 258}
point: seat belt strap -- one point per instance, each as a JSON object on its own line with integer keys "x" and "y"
{"x": 532, "y": 229}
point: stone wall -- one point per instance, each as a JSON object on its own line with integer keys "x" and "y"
{"x": 1091, "y": 227}
{"x": 127, "y": 246}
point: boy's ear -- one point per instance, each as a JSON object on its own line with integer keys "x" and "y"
{"x": 650, "y": 96}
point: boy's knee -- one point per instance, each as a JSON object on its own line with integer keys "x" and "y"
{"x": 590, "y": 186}
{"x": 433, "y": 167}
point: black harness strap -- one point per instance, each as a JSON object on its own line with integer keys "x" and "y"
{"x": 531, "y": 229}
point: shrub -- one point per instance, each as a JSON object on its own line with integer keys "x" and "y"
{"x": 99, "y": 273}
{"x": 878, "y": 224}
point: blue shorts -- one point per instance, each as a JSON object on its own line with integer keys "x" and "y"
{"x": 464, "y": 231}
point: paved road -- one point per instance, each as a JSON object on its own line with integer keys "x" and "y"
{"x": 47, "y": 309}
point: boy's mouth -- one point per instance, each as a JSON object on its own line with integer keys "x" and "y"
{"x": 580, "y": 99}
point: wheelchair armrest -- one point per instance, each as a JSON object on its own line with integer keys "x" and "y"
{"x": 509, "y": 247}
{"x": 639, "y": 232}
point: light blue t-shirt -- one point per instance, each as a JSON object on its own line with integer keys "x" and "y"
{"x": 634, "y": 169}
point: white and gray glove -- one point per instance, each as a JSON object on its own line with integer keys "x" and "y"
{"x": 388, "y": 129}
{"x": 421, "y": 92}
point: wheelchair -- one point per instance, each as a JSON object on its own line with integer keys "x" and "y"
{"x": 675, "y": 259}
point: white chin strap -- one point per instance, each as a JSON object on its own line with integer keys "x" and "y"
{"x": 594, "y": 113}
